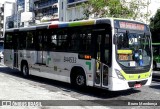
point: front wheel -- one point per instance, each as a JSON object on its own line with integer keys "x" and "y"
{"x": 79, "y": 80}
{"x": 25, "y": 70}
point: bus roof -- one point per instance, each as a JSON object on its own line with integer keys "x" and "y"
{"x": 68, "y": 24}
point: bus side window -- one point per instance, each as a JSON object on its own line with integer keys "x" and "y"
{"x": 22, "y": 40}
{"x": 8, "y": 41}
{"x": 29, "y": 40}
{"x": 40, "y": 37}
{"x": 53, "y": 43}
{"x": 61, "y": 40}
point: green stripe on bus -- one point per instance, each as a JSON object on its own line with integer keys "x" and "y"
{"x": 49, "y": 59}
{"x": 89, "y": 65}
{"x": 135, "y": 76}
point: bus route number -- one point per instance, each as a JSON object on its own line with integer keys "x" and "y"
{"x": 70, "y": 59}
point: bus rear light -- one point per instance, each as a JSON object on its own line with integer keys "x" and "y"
{"x": 120, "y": 76}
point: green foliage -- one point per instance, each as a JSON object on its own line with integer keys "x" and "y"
{"x": 155, "y": 21}
{"x": 115, "y": 8}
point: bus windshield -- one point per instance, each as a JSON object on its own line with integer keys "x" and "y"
{"x": 133, "y": 49}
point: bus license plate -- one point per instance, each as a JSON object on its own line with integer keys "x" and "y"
{"x": 137, "y": 85}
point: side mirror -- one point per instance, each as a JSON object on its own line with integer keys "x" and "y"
{"x": 115, "y": 41}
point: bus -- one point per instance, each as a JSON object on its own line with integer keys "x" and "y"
{"x": 108, "y": 53}
{"x": 156, "y": 56}
{"x": 1, "y": 48}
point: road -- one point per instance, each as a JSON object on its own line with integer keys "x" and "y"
{"x": 47, "y": 89}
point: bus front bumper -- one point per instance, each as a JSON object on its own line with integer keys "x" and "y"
{"x": 119, "y": 84}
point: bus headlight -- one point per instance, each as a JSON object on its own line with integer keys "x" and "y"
{"x": 119, "y": 74}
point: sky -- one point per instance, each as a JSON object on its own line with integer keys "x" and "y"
{"x": 155, "y": 4}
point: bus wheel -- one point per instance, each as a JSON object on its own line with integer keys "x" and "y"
{"x": 79, "y": 79}
{"x": 25, "y": 70}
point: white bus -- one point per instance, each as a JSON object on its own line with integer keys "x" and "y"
{"x": 114, "y": 54}
{"x": 1, "y": 48}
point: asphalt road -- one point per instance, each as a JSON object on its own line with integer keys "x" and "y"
{"x": 151, "y": 92}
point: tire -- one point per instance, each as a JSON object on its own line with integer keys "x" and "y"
{"x": 79, "y": 79}
{"x": 25, "y": 70}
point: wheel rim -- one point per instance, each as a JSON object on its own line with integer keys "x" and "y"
{"x": 80, "y": 80}
{"x": 25, "y": 70}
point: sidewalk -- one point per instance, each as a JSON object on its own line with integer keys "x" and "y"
{"x": 12, "y": 89}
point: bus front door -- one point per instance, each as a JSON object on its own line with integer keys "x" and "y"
{"x": 102, "y": 54}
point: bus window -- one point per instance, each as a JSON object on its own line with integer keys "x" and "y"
{"x": 81, "y": 40}
{"x": 29, "y": 40}
{"x": 22, "y": 40}
{"x": 8, "y": 41}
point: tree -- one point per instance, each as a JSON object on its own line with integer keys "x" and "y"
{"x": 115, "y": 8}
{"x": 155, "y": 27}
{"x": 155, "y": 21}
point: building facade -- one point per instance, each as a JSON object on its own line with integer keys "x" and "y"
{"x": 74, "y": 10}
{"x": 46, "y": 10}
{"x": 39, "y": 11}
{"x": 58, "y": 10}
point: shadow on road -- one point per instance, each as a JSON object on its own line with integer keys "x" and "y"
{"x": 155, "y": 86}
{"x": 90, "y": 91}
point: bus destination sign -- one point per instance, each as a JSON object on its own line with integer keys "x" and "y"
{"x": 134, "y": 26}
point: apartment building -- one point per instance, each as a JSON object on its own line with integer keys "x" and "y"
{"x": 46, "y": 10}
{"x": 58, "y": 10}
{"x": 74, "y": 10}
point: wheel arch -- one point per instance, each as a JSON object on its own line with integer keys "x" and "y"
{"x": 23, "y": 62}
{"x": 72, "y": 74}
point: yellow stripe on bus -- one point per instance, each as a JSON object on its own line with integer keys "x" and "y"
{"x": 140, "y": 76}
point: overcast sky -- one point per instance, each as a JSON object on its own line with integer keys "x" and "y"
{"x": 155, "y": 4}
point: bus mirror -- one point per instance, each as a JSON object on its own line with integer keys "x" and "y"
{"x": 115, "y": 41}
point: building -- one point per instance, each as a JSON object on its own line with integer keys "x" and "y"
{"x": 58, "y": 10}
{"x": 74, "y": 10}
{"x": 9, "y": 14}
{"x": 28, "y": 12}
{"x": 1, "y": 19}
{"x": 46, "y": 10}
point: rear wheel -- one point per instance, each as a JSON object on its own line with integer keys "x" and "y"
{"x": 25, "y": 70}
